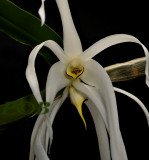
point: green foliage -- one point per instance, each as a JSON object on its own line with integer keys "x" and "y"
{"x": 19, "y": 109}
{"x": 26, "y": 28}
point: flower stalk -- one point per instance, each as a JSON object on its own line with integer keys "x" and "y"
{"x": 127, "y": 71}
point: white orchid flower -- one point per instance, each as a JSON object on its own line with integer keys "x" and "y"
{"x": 82, "y": 78}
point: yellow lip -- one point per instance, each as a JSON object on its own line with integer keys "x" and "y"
{"x": 77, "y": 100}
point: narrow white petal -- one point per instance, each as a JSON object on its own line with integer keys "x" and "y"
{"x": 113, "y": 40}
{"x": 136, "y": 100}
{"x": 57, "y": 50}
{"x": 101, "y": 131}
{"x": 30, "y": 70}
{"x": 108, "y": 42}
{"x": 39, "y": 150}
{"x": 54, "y": 109}
{"x": 96, "y": 76}
{"x": 104, "y": 106}
{"x": 42, "y": 12}
{"x": 72, "y": 44}
{"x": 48, "y": 118}
{"x": 56, "y": 81}
{"x": 49, "y": 121}
{"x": 58, "y": 104}
{"x": 92, "y": 94}
{"x": 49, "y": 133}
{"x": 43, "y": 133}
{"x": 34, "y": 133}
{"x": 48, "y": 137}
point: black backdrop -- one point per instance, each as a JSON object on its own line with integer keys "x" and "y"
{"x": 94, "y": 20}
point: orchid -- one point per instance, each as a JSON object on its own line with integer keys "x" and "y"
{"x": 81, "y": 78}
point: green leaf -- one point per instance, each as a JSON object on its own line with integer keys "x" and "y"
{"x": 13, "y": 111}
{"x": 26, "y": 28}
{"x": 22, "y": 108}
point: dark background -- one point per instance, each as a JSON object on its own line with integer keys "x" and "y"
{"x": 94, "y": 20}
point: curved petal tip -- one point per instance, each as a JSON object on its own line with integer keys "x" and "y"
{"x": 42, "y": 12}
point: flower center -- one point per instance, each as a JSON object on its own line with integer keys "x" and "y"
{"x": 74, "y": 69}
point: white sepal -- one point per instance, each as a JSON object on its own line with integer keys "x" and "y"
{"x": 113, "y": 40}
{"x": 35, "y": 131}
{"x": 96, "y": 76}
{"x": 38, "y": 146}
{"x": 136, "y": 100}
{"x": 100, "y": 130}
{"x": 54, "y": 109}
{"x": 30, "y": 70}
{"x": 72, "y": 43}
{"x": 56, "y": 81}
